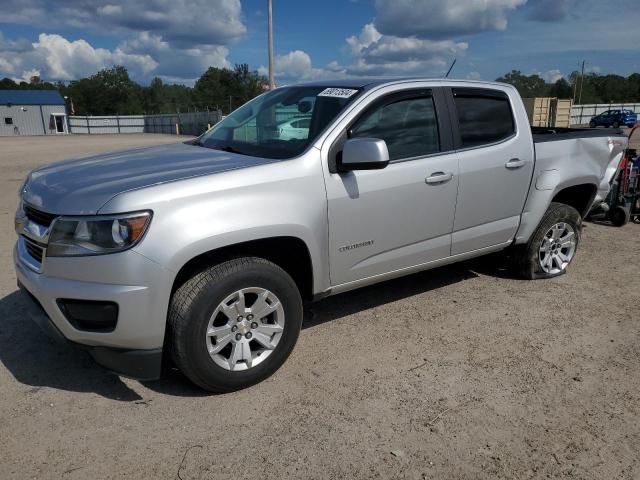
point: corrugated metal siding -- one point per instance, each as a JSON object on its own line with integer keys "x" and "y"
{"x": 107, "y": 124}
{"x": 193, "y": 123}
{"x": 28, "y": 119}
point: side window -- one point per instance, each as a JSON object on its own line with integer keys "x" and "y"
{"x": 408, "y": 126}
{"x": 483, "y": 118}
{"x": 8, "y": 121}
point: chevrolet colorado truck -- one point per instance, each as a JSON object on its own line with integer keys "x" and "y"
{"x": 202, "y": 253}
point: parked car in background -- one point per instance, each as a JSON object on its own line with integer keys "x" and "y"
{"x": 204, "y": 251}
{"x": 614, "y": 118}
{"x": 294, "y": 129}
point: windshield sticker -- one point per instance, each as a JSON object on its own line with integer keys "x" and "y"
{"x": 337, "y": 92}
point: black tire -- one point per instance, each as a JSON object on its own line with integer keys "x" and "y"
{"x": 525, "y": 258}
{"x": 616, "y": 125}
{"x": 592, "y": 124}
{"x": 619, "y": 216}
{"x": 193, "y": 304}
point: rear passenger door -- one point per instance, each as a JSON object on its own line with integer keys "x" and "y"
{"x": 496, "y": 160}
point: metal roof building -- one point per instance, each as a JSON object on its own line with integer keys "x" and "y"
{"x": 32, "y": 112}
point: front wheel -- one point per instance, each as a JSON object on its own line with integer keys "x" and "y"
{"x": 234, "y": 324}
{"x": 592, "y": 124}
{"x": 553, "y": 245}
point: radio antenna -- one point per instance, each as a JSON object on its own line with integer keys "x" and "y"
{"x": 450, "y": 68}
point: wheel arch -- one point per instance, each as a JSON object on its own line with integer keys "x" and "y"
{"x": 288, "y": 252}
{"x": 578, "y": 196}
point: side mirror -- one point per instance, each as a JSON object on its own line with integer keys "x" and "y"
{"x": 363, "y": 154}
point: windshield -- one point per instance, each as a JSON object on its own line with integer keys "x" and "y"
{"x": 280, "y": 123}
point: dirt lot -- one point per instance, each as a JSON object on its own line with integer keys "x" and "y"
{"x": 457, "y": 373}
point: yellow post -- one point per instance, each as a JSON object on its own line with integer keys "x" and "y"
{"x": 177, "y": 129}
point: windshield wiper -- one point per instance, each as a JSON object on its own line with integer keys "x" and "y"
{"x": 225, "y": 148}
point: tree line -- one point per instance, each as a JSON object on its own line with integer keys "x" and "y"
{"x": 590, "y": 88}
{"x": 112, "y": 92}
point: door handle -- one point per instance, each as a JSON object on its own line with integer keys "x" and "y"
{"x": 515, "y": 163}
{"x": 438, "y": 177}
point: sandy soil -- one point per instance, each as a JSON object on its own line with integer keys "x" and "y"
{"x": 458, "y": 373}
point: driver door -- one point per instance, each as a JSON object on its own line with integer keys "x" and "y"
{"x": 382, "y": 221}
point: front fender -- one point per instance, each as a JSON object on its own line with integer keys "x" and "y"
{"x": 198, "y": 215}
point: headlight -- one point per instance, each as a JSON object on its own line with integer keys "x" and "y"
{"x": 77, "y": 236}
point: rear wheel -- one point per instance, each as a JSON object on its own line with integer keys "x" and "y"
{"x": 619, "y": 216}
{"x": 234, "y": 324}
{"x": 616, "y": 124}
{"x": 553, "y": 245}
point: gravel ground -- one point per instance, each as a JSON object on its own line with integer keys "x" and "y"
{"x": 457, "y": 373}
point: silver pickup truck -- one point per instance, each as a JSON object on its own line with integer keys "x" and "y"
{"x": 202, "y": 253}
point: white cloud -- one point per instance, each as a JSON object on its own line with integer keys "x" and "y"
{"x": 69, "y": 60}
{"x": 294, "y": 66}
{"x": 110, "y": 10}
{"x": 28, "y": 74}
{"x": 376, "y": 54}
{"x": 551, "y": 76}
{"x": 177, "y": 64}
{"x": 56, "y": 58}
{"x": 206, "y": 22}
{"x": 373, "y": 54}
{"x": 550, "y": 10}
{"x": 177, "y": 39}
{"x": 368, "y": 36}
{"x": 438, "y": 18}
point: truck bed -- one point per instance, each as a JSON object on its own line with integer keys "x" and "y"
{"x": 592, "y": 145}
{"x": 547, "y": 134}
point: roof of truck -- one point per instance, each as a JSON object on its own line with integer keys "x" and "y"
{"x": 368, "y": 83}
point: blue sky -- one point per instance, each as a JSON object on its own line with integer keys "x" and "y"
{"x": 178, "y": 39}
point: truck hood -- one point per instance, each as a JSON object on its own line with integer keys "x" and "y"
{"x": 82, "y": 186}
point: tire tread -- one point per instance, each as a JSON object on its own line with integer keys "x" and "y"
{"x": 524, "y": 258}
{"x": 182, "y": 301}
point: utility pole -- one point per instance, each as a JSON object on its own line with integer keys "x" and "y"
{"x": 581, "y": 84}
{"x": 272, "y": 83}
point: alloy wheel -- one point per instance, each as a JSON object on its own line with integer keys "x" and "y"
{"x": 245, "y": 329}
{"x": 557, "y": 248}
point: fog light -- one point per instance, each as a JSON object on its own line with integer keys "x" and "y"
{"x": 90, "y": 315}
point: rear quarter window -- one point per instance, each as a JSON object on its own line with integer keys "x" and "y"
{"x": 484, "y": 117}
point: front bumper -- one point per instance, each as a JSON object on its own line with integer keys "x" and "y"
{"x": 138, "y": 364}
{"x": 139, "y": 286}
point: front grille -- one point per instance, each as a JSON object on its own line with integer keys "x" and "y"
{"x": 34, "y": 249}
{"x": 42, "y": 218}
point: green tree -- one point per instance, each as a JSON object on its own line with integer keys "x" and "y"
{"x": 8, "y": 84}
{"x": 561, "y": 89}
{"x": 224, "y": 89}
{"x": 527, "y": 85}
{"x": 108, "y": 92}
